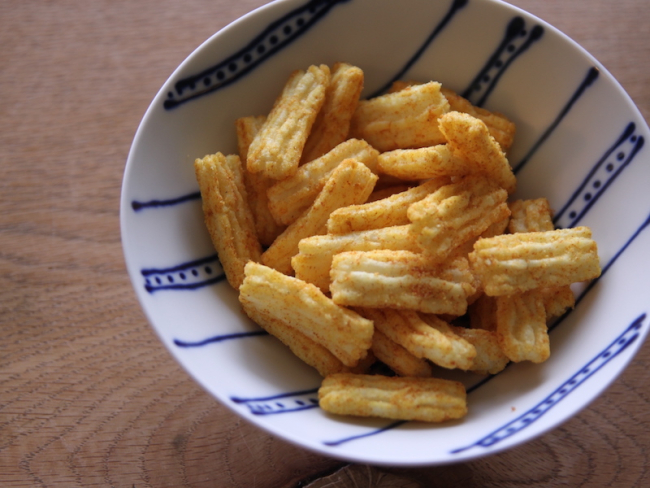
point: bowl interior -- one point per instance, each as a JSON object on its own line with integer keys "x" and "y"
{"x": 580, "y": 143}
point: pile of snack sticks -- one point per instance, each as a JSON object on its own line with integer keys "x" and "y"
{"x": 359, "y": 231}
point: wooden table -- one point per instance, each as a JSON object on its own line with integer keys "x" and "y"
{"x": 88, "y": 395}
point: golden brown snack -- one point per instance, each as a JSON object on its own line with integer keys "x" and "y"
{"x": 289, "y": 198}
{"x": 397, "y": 358}
{"x": 536, "y": 216}
{"x": 351, "y": 182}
{"x": 530, "y": 216}
{"x": 277, "y": 147}
{"x": 387, "y": 212}
{"x": 469, "y": 139}
{"x": 423, "y": 163}
{"x": 247, "y": 128}
{"x": 257, "y": 184}
{"x": 434, "y": 339}
{"x": 268, "y": 294}
{"x": 521, "y": 327}
{"x": 490, "y": 358}
{"x": 495, "y": 229}
{"x": 502, "y": 129}
{"x": 424, "y": 399}
{"x": 387, "y": 191}
{"x": 333, "y": 121}
{"x": 515, "y": 263}
{"x": 557, "y": 300}
{"x": 455, "y": 214}
{"x": 227, "y": 215}
{"x": 402, "y": 280}
{"x": 405, "y": 119}
{"x": 314, "y": 259}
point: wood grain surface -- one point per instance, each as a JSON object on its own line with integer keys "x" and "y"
{"x": 88, "y": 395}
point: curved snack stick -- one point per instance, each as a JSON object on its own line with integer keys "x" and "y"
{"x": 405, "y": 119}
{"x": 333, "y": 121}
{"x": 433, "y": 339}
{"x": 277, "y": 147}
{"x": 521, "y": 327}
{"x": 257, "y": 184}
{"x": 314, "y": 259}
{"x": 351, "y": 182}
{"x": 266, "y": 293}
{"x": 397, "y": 358}
{"x": 515, "y": 263}
{"x": 226, "y": 213}
{"x": 424, "y": 399}
{"x": 423, "y": 163}
{"x": 289, "y": 198}
{"x": 402, "y": 280}
{"x": 470, "y": 139}
{"x": 455, "y": 214}
{"x": 502, "y": 129}
{"x": 387, "y": 212}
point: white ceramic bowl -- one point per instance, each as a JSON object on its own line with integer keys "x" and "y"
{"x": 580, "y": 143}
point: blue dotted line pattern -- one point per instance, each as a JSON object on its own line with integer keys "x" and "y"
{"x": 284, "y": 403}
{"x": 276, "y": 36}
{"x": 517, "y": 39}
{"x": 617, "y": 157}
{"x": 186, "y": 276}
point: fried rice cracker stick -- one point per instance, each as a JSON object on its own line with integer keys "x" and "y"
{"x": 351, "y": 182}
{"x": 515, "y": 263}
{"x": 423, "y": 163}
{"x": 536, "y": 216}
{"x": 400, "y": 279}
{"x": 268, "y": 293}
{"x": 423, "y": 399}
{"x": 530, "y": 216}
{"x": 386, "y": 212}
{"x": 227, "y": 215}
{"x": 455, "y": 214}
{"x": 278, "y": 146}
{"x": 489, "y": 358}
{"x": 289, "y": 198}
{"x": 314, "y": 259}
{"x": 333, "y": 121}
{"x": 433, "y": 339}
{"x": 469, "y": 139}
{"x": 387, "y": 191}
{"x": 405, "y": 119}
{"x": 521, "y": 327}
{"x": 502, "y": 129}
{"x": 397, "y": 358}
{"x": 557, "y": 300}
{"x": 257, "y": 184}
